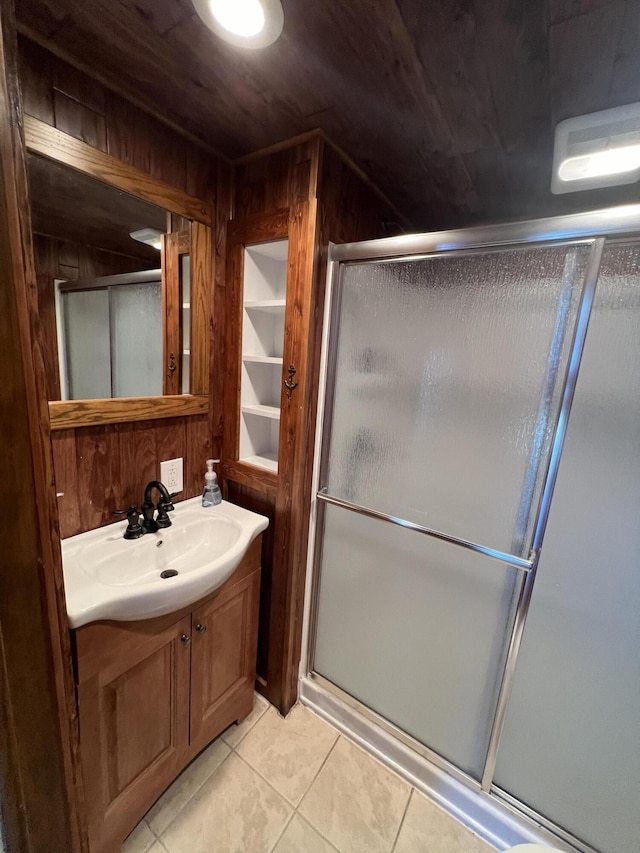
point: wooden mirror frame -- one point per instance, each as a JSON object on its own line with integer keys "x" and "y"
{"x": 47, "y": 141}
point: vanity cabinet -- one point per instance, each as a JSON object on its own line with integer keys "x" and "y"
{"x": 152, "y": 694}
{"x": 289, "y": 203}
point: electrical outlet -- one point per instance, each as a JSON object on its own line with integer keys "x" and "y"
{"x": 171, "y": 475}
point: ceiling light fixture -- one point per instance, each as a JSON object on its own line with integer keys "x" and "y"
{"x": 597, "y": 150}
{"x": 244, "y": 23}
{"x": 150, "y": 236}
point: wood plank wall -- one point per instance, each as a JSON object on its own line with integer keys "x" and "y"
{"x": 74, "y": 103}
{"x": 101, "y": 469}
{"x": 104, "y": 469}
{"x": 265, "y": 186}
{"x": 348, "y": 209}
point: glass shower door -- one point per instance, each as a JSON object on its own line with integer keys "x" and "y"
{"x": 443, "y": 398}
{"x": 576, "y": 694}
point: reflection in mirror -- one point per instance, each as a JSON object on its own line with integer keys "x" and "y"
{"x": 107, "y": 302}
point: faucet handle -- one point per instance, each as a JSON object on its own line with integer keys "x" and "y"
{"x": 132, "y": 512}
{"x": 134, "y": 528}
{"x": 167, "y": 506}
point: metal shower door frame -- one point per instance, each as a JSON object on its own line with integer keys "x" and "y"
{"x": 594, "y": 227}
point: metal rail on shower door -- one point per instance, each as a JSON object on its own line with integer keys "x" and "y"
{"x": 502, "y": 556}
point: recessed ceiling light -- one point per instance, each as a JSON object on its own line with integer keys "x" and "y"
{"x": 241, "y": 17}
{"x": 597, "y": 150}
{"x": 150, "y": 236}
{"x": 244, "y": 23}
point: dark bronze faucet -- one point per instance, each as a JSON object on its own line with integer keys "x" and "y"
{"x": 136, "y": 528}
{"x": 164, "y": 506}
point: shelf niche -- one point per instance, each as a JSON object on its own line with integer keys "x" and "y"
{"x": 264, "y": 303}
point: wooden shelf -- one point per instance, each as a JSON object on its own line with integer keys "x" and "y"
{"x": 262, "y": 411}
{"x": 262, "y": 359}
{"x": 268, "y": 461}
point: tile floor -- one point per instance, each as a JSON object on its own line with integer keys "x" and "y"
{"x": 294, "y": 785}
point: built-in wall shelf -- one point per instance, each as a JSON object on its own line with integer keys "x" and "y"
{"x": 264, "y": 304}
{"x": 262, "y": 411}
{"x": 268, "y": 461}
{"x": 262, "y": 359}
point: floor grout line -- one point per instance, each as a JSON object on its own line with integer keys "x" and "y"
{"x": 404, "y": 814}
{"x": 267, "y": 782}
{"x": 195, "y": 793}
{"x": 304, "y": 796}
{"x": 284, "y": 829}
{"x": 317, "y": 831}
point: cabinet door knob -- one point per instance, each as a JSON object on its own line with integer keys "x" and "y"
{"x": 186, "y": 639}
{"x": 201, "y": 628}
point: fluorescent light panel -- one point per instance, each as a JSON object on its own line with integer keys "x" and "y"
{"x": 597, "y": 150}
{"x": 150, "y": 236}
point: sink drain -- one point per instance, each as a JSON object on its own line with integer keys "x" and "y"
{"x": 168, "y": 573}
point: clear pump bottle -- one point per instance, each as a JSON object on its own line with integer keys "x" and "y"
{"x": 211, "y": 496}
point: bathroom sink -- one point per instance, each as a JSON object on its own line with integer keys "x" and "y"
{"x": 109, "y": 577}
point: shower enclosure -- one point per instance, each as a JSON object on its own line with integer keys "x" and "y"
{"x": 474, "y": 595}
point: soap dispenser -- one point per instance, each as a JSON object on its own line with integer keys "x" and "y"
{"x": 211, "y": 496}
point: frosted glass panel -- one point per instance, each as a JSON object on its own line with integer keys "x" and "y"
{"x": 136, "y": 317}
{"x": 415, "y": 629}
{"x": 446, "y": 393}
{"x": 88, "y": 347}
{"x": 571, "y": 746}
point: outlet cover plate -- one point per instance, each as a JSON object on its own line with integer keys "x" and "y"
{"x": 171, "y": 474}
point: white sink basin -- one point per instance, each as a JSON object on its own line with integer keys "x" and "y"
{"x": 109, "y": 577}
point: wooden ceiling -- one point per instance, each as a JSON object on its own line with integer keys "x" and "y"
{"x": 449, "y": 105}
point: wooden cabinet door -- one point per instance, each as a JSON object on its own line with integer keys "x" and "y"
{"x": 134, "y": 732}
{"x": 223, "y": 664}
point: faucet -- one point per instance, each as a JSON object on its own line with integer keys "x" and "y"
{"x": 135, "y": 528}
{"x": 164, "y": 505}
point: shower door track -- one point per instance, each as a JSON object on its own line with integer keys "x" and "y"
{"x": 618, "y": 222}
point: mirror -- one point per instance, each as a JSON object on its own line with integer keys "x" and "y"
{"x": 113, "y": 282}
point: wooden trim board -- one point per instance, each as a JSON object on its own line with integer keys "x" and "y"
{"x": 68, "y": 414}
{"x": 52, "y": 143}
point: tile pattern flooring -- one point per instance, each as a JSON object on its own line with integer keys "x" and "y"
{"x": 294, "y": 785}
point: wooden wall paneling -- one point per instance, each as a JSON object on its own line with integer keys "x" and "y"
{"x": 218, "y": 359}
{"x": 171, "y": 316}
{"x": 44, "y": 140}
{"x": 43, "y": 775}
{"x": 198, "y": 449}
{"x": 35, "y": 66}
{"x": 105, "y": 468}
{"x": 97, "y": 451}
{"x": 348, "y": 210}
{"x": 201, "y": 307}
{"x": 232, "y": 350}
{"x": 133, "y": 135}
{"x": 47, "y": 314}
{"x": 65, "y": 461}
{"x": 264, "y": 504}
{"x": 286, "y": 606}
{"x": 137, "y": 461}
{"x": 80, "y": 121}
{"x": 268, "y": 181}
